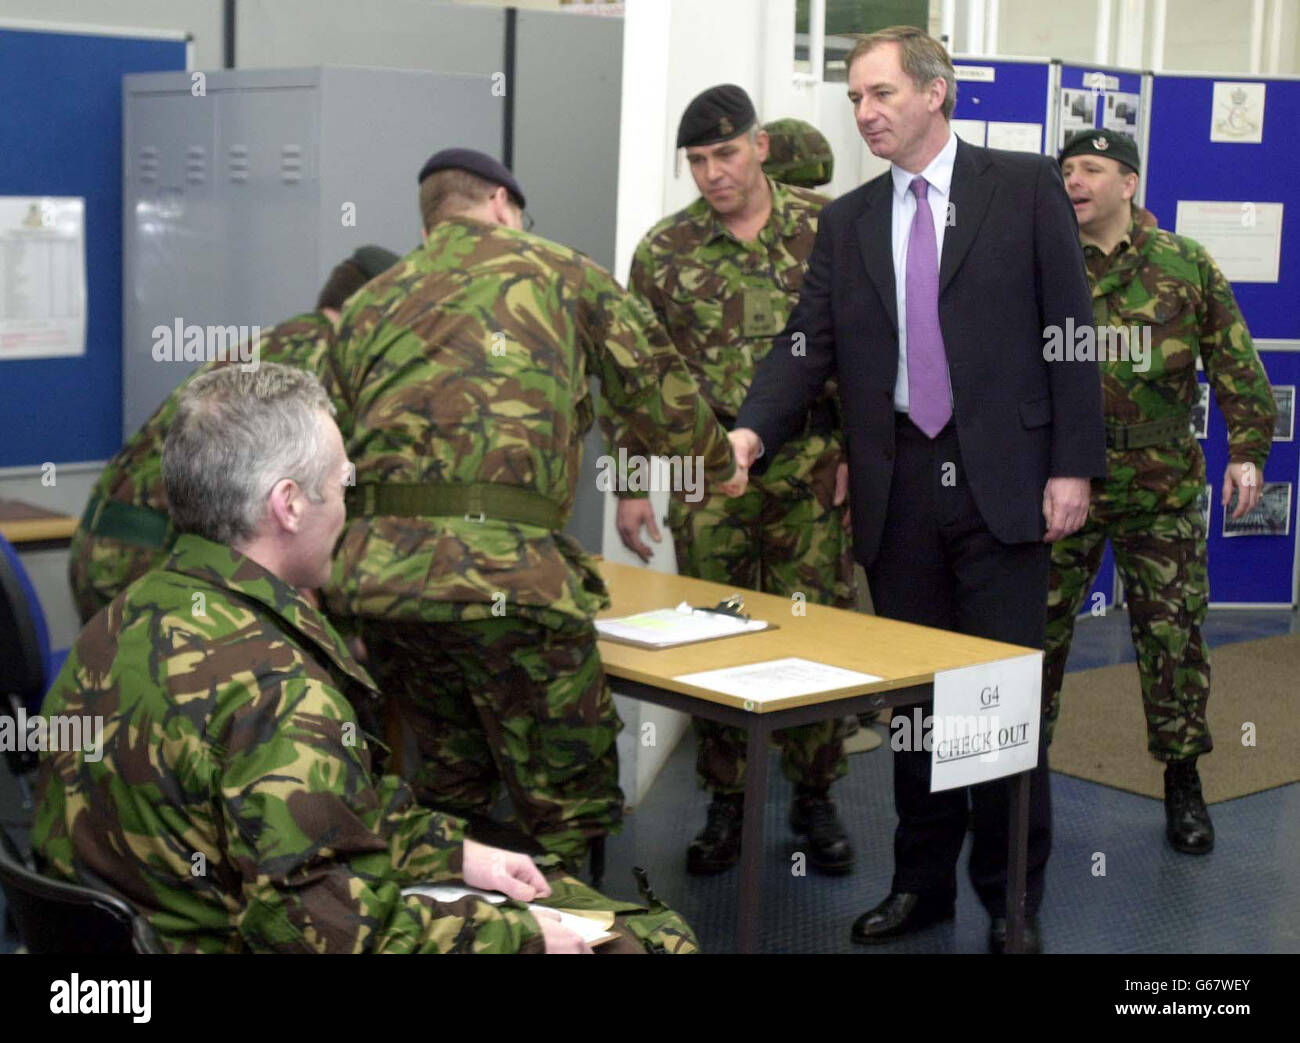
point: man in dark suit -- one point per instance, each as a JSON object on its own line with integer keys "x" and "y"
{"x": 928, "y": 296}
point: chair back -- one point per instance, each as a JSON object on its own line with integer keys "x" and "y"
{"x": 54, "y": 917}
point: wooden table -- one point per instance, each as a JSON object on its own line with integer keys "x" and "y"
{"x": 25, "y": 523}
{"x": 905, "y": 656}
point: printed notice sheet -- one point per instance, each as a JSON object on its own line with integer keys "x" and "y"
{"x": 592, "y": 926}
{"x": 42, "y": 277}
{"x": 776, "y": 679}
{"x": 1244, "y": 238}
{"x": 668, "y": 627}
{"x": 1015, "y": 137}
{"x": 985, "y": 721}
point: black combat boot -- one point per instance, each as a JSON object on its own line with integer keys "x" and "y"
{"x": 717, "y": 846}
{"x": 1187, "y": 821}
{"x": 813, "y": 815}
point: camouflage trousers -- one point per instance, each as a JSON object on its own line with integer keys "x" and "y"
{"x": 782, "y": 537}
{"x": 647, "y": 926}
{"x": 1161, "y": 557}
{"x": 511, "y": 701}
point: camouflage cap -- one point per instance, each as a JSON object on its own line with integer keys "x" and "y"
{"x": 1110, "y": 143}
{"x": 798, "y": 154}
{"x": 718, "y": 114}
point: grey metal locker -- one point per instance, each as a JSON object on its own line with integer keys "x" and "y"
{"x": 235, "y": 187}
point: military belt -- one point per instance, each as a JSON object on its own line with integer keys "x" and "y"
{"x": 474, "y": 501}
{"x": 115, "y": 520}
{"x": 1153, "y": 432}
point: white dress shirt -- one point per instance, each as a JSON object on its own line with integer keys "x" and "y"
{"x": 939, "y": 176}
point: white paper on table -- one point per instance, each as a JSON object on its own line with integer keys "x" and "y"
{"x": 1015, "y": 137}
{"x": 776, "y": 679}
{"x": 970, "y": 131}
{"x": 665, "y": 627}
{"x": 1244, "y": 238}
{"x": 42, "y": 277}
{"x": 587, "y": 930}
{"x": 985, "y": 721}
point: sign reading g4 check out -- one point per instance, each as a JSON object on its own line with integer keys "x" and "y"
{"x": 986, "y": 721}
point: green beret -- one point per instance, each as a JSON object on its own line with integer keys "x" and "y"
{"x": 1117, "y": 146}
{"x": 720, "y": 113}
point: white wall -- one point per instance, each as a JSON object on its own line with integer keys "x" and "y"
{"x": 1199, "y": 35}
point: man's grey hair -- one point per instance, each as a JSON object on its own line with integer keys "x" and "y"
{"x": 235, "y": 435}
{"x": 922, "y": 57}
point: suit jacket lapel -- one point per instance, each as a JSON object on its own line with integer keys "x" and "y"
{"x": 969, "y": 194}
{"x": 875, "y": 240}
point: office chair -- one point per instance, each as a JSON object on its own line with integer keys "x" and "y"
{"x": 53, "y": 917}
{"x": 27, "y": 665}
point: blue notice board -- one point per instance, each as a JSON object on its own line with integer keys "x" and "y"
{"x": 1004, "y": 91}
{"x": 61, "y": 125}
{"x": 1183, "y": 163}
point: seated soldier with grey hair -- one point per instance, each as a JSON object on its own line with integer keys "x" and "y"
{"x": 234, "y": 804}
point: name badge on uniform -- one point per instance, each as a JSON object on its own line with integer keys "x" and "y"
{"x": 759, "y": 318}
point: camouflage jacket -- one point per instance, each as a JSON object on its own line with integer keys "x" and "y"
{"x": 722, "y": 301}
{"x": 101, "y": 567}
{"x": 231, "y": 801}
{"x": 469, "y": 362}
{"x": 1170, "y": 285}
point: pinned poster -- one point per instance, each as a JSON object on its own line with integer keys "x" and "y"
{"x": 1244, "y": 238}
{"x": 1121, "y": 113}
{"x": 1078, "y": 112}
{"x": 1201, "y": 410}
{"x": 986, "y": 721}
{"x": 970, "y": 131}
{"x": 42, "y": 277}
{"x": 1238, "y": 113}
{"x": 1015, "y": 137}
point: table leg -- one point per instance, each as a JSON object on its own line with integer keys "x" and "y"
{"x": 751, "y": 835}
{"x": 1017, "y": 861}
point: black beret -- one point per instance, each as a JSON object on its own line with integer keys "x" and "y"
{"x": 476, "y": 163}
{"x": 373, "y": 260}
{"x": 1119, "y": 147}
{"x": 718, "y": 114}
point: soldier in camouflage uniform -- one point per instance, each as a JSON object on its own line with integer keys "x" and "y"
{"x": 124, "y": 530}
{"x": 723, "y": 276}
{"x": 1168, "y": 288}
{"x": 464, "y": 375}
{"x": 798, "y": 154}
{"x": 228, "y": 795}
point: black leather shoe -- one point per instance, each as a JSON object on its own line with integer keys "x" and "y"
{"x": 998, "y": 936}
{"x": 812, "y": 815}
{"x": 897, "y": 915}
{"x": 717, "y": 846}
{"x": 1187, "y": 820}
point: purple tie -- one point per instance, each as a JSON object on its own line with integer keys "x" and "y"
{"x": 929, "y": 400}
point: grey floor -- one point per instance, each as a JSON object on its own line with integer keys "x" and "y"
{"x": 1243, "y": 897}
